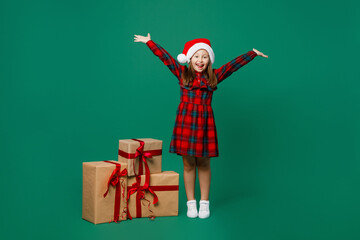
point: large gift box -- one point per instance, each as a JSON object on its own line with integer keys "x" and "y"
{"x": 104, "y": 191}
{"x": 146, "y": 151}
{"x": 153, "y": 197}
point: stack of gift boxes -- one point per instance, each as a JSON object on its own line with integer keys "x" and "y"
{"x": 132, "y": 187}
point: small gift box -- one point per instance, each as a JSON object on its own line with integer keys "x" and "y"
{"x": 153, "y": 197}
{"x": 143, "y": 152}
{"x": 104, "y": 191}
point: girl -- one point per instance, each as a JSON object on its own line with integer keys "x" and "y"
{"x": 194, "y": 135}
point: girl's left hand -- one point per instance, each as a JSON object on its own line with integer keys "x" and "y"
{"x": 260, "y": 53}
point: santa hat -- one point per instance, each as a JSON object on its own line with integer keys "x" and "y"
{"x": 192, "y": 47}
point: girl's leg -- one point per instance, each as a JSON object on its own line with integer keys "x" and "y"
{"x": 189, "y": 176}
{"x": 203, "y": 165}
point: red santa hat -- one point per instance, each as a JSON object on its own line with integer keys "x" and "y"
{"x": 192, "y": 47}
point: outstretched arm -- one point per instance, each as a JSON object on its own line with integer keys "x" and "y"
{"x": 173, "y": 65}
{"x": 234, "y": 65}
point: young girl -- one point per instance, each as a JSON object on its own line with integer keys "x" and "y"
{"x": 194, "y": 135}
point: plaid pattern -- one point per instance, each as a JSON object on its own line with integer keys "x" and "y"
{"x": 194, "y": 132}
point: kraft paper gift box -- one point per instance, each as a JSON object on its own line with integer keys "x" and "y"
{"x": 164, "y": 186}
{"x": 104, "y": 191}
{"x": 133, "y": 151}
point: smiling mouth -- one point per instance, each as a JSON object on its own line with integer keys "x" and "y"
{"x": 200, "y": 66}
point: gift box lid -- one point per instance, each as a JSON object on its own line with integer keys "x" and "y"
{"x": 104, "y": 164}
{"x": 130, "y": 146}
{"x": 164, "y": 178}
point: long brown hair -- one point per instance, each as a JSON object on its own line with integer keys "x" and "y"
{"x": 188, "y": 75}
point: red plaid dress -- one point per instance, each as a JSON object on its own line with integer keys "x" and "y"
{"x": 194, "y": 132}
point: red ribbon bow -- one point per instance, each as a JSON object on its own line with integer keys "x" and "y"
{"x": 142, "y": 156}
{"x": 114, "y": 180}
{"x": 140, "y": 194}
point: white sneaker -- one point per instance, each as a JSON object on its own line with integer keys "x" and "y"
{"x": 204, "y": 211}
{"x": 192, "y": 210}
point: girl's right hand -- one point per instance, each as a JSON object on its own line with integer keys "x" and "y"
{"x": 143, "y": 39}
{"x": 260, "y": 53}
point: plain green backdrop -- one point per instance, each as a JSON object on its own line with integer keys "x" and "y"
{"x": 73, "y": 83}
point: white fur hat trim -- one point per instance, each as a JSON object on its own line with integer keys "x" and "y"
{"x": 197, "y": 47}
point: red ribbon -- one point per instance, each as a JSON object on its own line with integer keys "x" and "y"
{"x": 114, "y": 180}
{"x": 132, "y": 155}
{"x": 142, "y": 158}
{"x": 140, "y": 194}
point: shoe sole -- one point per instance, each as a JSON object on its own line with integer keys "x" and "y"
{"x": 203, "y": 217}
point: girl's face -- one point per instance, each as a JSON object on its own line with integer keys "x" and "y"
{"x": 200, "y": 60}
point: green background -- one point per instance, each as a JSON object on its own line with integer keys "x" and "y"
{"x": 73, "y": 82}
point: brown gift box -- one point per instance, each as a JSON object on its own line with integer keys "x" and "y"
{"x": 129, "y": 146}
{"x": 168, "y": 200}
{"x": 96, "y": 208}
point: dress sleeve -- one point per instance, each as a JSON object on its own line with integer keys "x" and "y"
{"x": 232, "y": 66}
{"x": 173, "y": 65}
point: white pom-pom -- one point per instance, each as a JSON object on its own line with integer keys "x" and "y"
{"x": 182, "y": 58}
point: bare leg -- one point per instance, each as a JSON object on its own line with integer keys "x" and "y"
{"x": 203, "y": 165}
{"x": 189, "y": 176}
